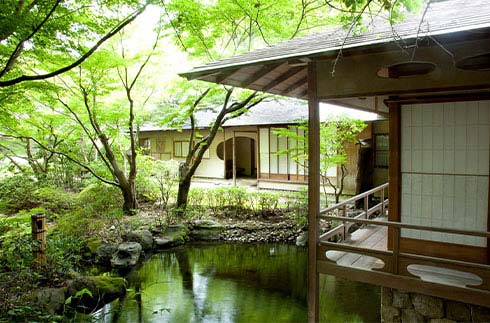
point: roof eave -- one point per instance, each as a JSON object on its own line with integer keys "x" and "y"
{"x": 196, "y": 73}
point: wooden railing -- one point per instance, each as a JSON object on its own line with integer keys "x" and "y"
{"x": 341, "y": 231}
{"x": 474, "y": 287}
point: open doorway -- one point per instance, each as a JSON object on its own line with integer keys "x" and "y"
{"x": 245, "y": 157}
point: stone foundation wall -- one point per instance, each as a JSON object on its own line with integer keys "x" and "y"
{"x": 399, "y": 306}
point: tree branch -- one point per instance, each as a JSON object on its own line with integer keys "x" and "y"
{"x": 79, "y": 163}
{"x": 87, "y": 54}
{"x": 18, "y": 49}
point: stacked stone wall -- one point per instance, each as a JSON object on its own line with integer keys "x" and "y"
{"x": 400, "y": 306}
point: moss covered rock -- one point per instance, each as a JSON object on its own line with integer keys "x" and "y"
{"x": 174, "y": 235}
{"x": 143, "y": 237}
{"x": 127, "y": 255}
{"x": 51, "y": 300}
{"x": 206, "y": 230}
{"x": 86, "y": 294}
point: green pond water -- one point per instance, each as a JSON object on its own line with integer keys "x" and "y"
{"x": 235, "y": 283}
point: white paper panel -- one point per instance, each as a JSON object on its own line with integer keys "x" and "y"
{"x": 445, "y": 149}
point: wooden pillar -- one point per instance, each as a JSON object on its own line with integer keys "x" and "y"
{"x": 313, "y": 191}
{"x": 395, "y": 169}
{"x": 234, "y": 160}
{"x": 38, "y": 223}
{"x": 224, "y": 153}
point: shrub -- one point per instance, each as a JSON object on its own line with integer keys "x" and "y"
{"x": 16, "y": 193}
{"x": 54, "y": 199}
{"x": 99, "y": 199}
{"x": 164, "y": 176}
{"x": 64, "y": 253}
{"x": 146, "y": 189}
{"x": 264, "y": 203}
{"x": 200, "y": 198}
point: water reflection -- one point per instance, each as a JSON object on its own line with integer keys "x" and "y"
{"x": 235, "y": 283}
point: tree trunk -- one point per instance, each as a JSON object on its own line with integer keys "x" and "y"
{"x": 130, "y": 202}
{"x": 183, "y": 192}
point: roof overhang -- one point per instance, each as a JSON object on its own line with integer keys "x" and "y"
{"x": 282, "y": 69}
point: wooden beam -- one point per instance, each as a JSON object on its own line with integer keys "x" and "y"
{"x": 295, "y": 85}
{"x": 313, "y": 192}
{"x": 263, "y": 71}
{"x": 409, "y": 284}
{"x": 225, "y": 74}
{"x": 283, "y": 78}
{"x": 303, "y": 94}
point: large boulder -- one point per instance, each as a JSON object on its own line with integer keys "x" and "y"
{"x": 104, "y": 252}
{"x": 86, "y": 294}
{"x": 51, "y": 300}
{"x": 173, "y": 236}
{"x": 143, "y": 237}
{"x": 127, "y": 255}
{"x": 206, "y": 230}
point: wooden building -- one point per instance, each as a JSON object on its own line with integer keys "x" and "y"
{"x": 431, "y": 73}
{"x": 247, "y": 146}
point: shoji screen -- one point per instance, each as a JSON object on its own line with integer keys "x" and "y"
{"x": 445, "y": 150}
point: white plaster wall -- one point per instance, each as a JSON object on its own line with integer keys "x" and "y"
{"x": 264, "y": 149}
{"x": 445, "y": 153}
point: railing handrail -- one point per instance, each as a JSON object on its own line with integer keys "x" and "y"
{"x": 409, "y": 226}
{"x": 354, "y": 198}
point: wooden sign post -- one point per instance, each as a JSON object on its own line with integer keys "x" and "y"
{"x": 38, "y": 222}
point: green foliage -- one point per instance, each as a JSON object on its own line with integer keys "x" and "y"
{"x": 64, "y": 253}
{"x": 17, "y": 193}
{"x": 54, "y": 199}
{"x": 264, "y": 203}
{"x": 58, "y": 32}
{"x": 16, "y": 251}
{"x": 156, "y": 180}
{"x": 212, "y": 29}
{"x": 334, "y": 135}
{"x": 233, "y": 201}
{"x": 99, "y": 199}
{"x": 23, "y": 192}
{"x": 146, "y": 188}
{"x": 78, "y": 295}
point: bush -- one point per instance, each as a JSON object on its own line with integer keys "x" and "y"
{"x": 264, "y": 203}
{"x": 16, "y": 193}
{"x": 54, "y": 199}
{"x": 64, "y": 253}
{"x": 165, "y": 176}
{"x": 200, "y": 198}
{"x": 99, "y": 199}
{"x": 146, "y": 190}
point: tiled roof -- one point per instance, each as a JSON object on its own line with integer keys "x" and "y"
{"x": 266, "y": 112}
{"x": 272, "y": 112}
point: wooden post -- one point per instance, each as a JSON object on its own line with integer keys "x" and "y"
{"x": 344, "y": 214}
{"x": 366, "y": 206}
{"x": 234, "y": 160}
{"x": 395, "y": 169}
{"x": 224, "y": 153}
{"x": 38, "y": 223}
{"x": 313, "y": 192}
{"x": 396, "y": 249}
{"x": 383, "y": 202}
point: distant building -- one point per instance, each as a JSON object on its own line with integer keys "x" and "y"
{"x": 249, "y": 143}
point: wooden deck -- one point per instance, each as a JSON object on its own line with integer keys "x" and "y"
{"x": 370, "y": 237}
{"x": 374, "y": 237}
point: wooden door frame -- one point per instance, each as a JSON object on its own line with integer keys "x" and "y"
{"x": 425, "y": 247}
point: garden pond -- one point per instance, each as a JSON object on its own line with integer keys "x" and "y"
{"x": 228, "y": 282}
